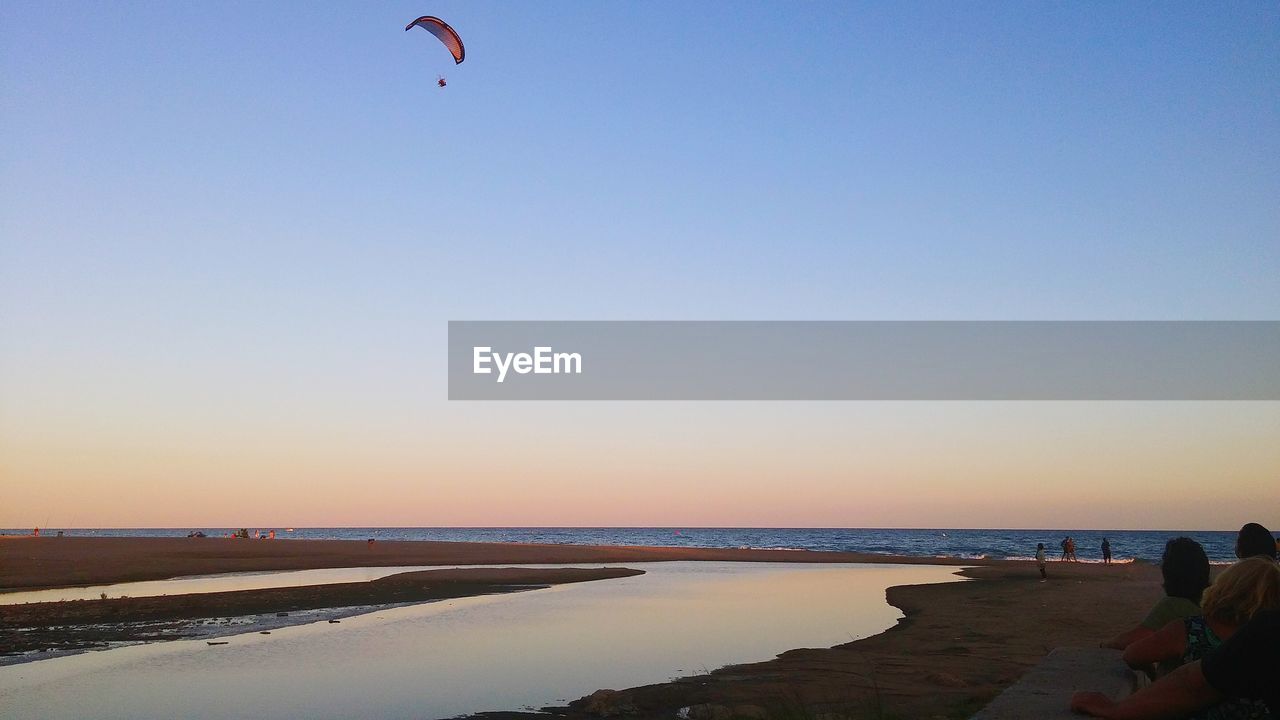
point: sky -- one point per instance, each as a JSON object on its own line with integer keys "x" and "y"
{"x": 231, "y": 239}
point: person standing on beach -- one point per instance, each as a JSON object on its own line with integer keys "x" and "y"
{"x": 1066, "y": 542}
{"x": 1040, "y": 561}
{"x": 1106, "y": 551}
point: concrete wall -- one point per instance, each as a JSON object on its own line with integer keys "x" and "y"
{"x": 1043, "y": 693}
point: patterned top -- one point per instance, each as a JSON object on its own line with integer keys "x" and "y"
{"x": 1202, "y": 640}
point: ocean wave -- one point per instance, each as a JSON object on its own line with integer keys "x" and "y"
{"x": 963, "y": 544}
{"x": 1085, "y": 561}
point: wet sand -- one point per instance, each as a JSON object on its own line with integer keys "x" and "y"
{"x": 28, "y": 563}
{"x": 958, "y": 645}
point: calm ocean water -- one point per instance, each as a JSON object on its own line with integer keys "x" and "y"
{"x": 1125, "y": 544}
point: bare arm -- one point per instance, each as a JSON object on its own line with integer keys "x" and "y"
{"x": 1168, "y": 643}
{"x": 1175, "y": 695}
{"x": 1125, "y": 639}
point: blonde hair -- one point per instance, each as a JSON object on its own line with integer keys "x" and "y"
{"x": 1251, "y": 585}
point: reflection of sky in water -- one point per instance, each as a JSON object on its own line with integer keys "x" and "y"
{"x": 208, "y": 583}
{"x": 475, "y": 654}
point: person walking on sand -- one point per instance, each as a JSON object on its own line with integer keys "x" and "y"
{"x": 1106, "y": 551}
{"x": 1071, "y": 549}
{"x": 1066, "y": 542}
{"x": 1040, "y": 561}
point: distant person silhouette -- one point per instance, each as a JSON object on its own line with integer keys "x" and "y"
{"x": 1040, "y": 561}
{"x": 1106, "y": 551}
{"x": 1071, "y": 549}
{"x": 1066, "y": 543}
{"x": 1254, "y": 539}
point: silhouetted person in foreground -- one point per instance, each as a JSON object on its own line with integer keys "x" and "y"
{"x": 1255, "y": 539}
{"x": 1185, "y": 568}
{"x": 1243, "y": 590}
{"x": 1243, "y": 667}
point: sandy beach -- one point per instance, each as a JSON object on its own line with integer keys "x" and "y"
{"x": 29, "y": 563}
{"x": 653, "y": 360}
{"x": 49, "y": 626}
{"x": 958, "y": 645}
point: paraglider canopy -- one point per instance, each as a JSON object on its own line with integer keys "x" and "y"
{"x": 444, "y": 33}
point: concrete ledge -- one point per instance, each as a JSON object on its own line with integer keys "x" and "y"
{"x": 1043, "y": 693}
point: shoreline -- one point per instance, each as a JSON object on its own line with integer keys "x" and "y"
{"x": 30, "y": 563}
{"x": 957, "y": 645}
{"x": 65, "y": 626}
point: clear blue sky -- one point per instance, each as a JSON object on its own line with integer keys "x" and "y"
{"x": 217, "y": 204}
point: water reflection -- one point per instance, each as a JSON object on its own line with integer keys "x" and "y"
{"x": 490, "y": 653}
{"x": 209, "y": 583}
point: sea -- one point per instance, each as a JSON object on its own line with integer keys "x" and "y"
{"x": 1126, "y": 545}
